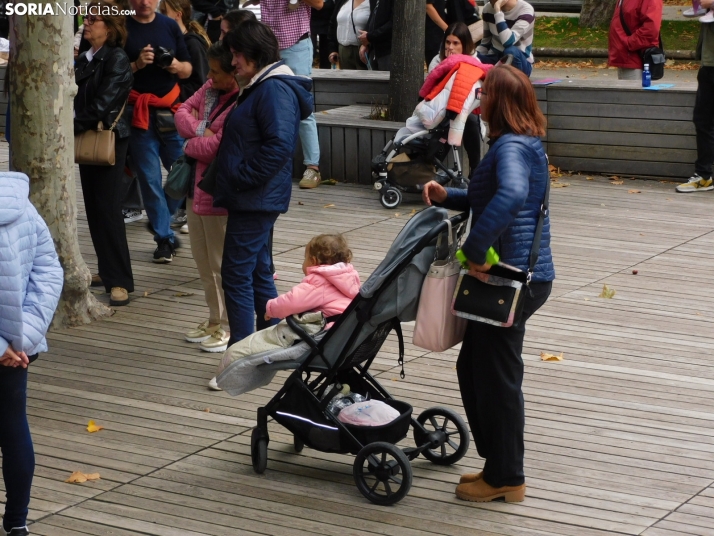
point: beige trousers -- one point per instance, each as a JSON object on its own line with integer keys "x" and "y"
{"x": 207, "y": 234}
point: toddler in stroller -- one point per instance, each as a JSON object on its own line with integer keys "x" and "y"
{"x": 417, "y": 153}
{"x": 329, "y": 285}
{"x": 343, "y": 355}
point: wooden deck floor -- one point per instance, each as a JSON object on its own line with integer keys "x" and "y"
{"x": 620, "y": 435}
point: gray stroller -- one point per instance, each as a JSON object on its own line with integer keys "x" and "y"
{"x": 343, "y": 354}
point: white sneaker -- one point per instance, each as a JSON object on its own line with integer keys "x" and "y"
{"x": 213, "y": 385}
{"x": 696, "y": 184}
{"x": 690, "y": 13}
{"x": 708, "y": 18}
{"x": 201, "y": 333}
{"x": 218, "y": 342}
{"x": 132, "y": 215}
{"x": 184, "y": 228}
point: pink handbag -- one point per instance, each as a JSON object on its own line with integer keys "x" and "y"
{"x": 437, "y": 328}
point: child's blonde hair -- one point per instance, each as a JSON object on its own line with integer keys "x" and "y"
{"x": 329, "y": 249}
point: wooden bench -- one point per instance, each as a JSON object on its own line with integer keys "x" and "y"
{"x": 602, "y": 126}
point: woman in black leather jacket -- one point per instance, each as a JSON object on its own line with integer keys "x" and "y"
{"x": 103, "y": 76}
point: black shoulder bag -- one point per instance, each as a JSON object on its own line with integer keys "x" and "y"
{"x": 653, "y": 56}
{"x": 496, "y": 297}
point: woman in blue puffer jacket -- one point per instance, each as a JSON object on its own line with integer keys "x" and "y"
{"x": 30, "y": 286}
{"x": 254, "y": 180}
{"x": 505, "y": 196}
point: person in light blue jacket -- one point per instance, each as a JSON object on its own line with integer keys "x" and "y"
{"x": 30, "y": 286}
{"x": 505, "y": 196}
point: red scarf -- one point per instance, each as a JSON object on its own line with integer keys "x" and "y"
{"x": 142, "y": 102}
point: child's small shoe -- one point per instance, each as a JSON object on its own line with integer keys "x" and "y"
{"x": 213, "y": 385}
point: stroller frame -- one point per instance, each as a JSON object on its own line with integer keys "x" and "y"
{"x": 382, "y": 471}
{"x": 390, "y": 191}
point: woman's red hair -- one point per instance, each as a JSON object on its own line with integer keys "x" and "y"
{"x": 511, "y": 104}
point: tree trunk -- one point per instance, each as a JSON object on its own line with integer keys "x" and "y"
{"x": 41, "y": 92}
{"x": 407, "y": 74}
{"x": 596, "y": 13}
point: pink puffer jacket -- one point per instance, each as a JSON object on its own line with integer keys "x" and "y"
{"x": 203, "y": 149}
{"x": 327, "y": 288}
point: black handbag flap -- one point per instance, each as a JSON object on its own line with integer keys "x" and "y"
{"x": 480, "y": 299}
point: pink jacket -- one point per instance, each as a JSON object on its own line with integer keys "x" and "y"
{"x": 328, "y": 288}
{"x": 203, "y": 149}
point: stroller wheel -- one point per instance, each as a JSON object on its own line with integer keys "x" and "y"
{"x": 298, "y": 445}
{"x": 446, "y": 434}
{"x": 259, "y": 450}
{"x": 382, "y": 473}
{"x": 391, "y": 198}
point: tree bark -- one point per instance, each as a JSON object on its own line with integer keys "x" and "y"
{"x": 407, "y": 74}
{"x": 596, "y": 13}
{"x": 42, "y": 89}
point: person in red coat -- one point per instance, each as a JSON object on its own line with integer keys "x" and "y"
{"x": 643, "y": 19}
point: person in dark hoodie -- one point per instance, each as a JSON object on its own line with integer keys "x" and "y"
{"x": 376, "y": 42}
{"x": 254, "y": 179}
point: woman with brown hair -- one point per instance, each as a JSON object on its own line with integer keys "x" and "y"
{"x": 197, "y": 43}
{"x": 505, "y": 196}
{"x": 103, "y": 76}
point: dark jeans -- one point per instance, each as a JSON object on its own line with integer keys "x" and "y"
{"x": 247, "y": 279}
{"x": 383, "y": 63}
{"x": 520, "y": 60}
{"x": 18, "y": 455}
{"x": 472, "y": 142}
{"x": 490, "y": 372}
{"x": 704, "y": 122}
{"x": 102, "y": 188}
{"x": 131, "y": 194}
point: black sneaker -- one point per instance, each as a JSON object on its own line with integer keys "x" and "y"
{"x": 17, "y": 531}
{"x": 164, "y": 252}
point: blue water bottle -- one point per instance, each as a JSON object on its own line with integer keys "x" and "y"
{"x": 646, "y": 76}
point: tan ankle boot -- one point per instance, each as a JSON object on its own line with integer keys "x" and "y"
{"x": 480, "y": 491}
{"x": 470, "y": 477}
{"x": 118, "y": 297}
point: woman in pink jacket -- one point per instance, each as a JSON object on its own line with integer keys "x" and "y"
{"x": 200, "y": 121}
{"x": 643, "y": 19}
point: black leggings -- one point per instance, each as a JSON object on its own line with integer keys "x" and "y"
{"x": 490, "y": 372}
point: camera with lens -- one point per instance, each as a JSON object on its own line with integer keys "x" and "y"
{"x": 163, "y": 57}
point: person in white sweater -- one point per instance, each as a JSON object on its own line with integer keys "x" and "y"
{"x": 508, "y": 30}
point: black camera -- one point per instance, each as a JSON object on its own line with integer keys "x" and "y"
{"x": 163, "y": 57}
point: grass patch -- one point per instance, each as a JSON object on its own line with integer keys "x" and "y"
{"x": 564, "y": 32}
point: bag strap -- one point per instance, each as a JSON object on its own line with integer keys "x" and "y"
{"x": 397, "y": 326}
{"x": 622, "y": 20}
{"x": 224, "y": 107}
{"x": 118, "y": 117}
{"x": 535, "y": 248}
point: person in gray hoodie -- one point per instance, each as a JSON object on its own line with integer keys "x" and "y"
{"x": 30, "y": 286}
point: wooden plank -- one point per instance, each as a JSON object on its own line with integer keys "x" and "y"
{"x": 365, "y": 156}
{"x": 379, "y": 140}
{"x": 352, "y": 171}
{"x": 653, "y": 141}
{"x": 347, "y": 99}
{"x": 323, "y": 133}
{"x": 661, "y": 113}
{"x": 609, "y": 124}
{"x": 643, "y": 99}
{"x": 634, "y": 155}
{"x": 338, "y": 154}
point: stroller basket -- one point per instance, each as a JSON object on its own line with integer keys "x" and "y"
{"x": 392, "y": 432}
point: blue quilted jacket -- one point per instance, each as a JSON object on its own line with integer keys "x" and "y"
{"x": 255, "y": 160}
{"x": 30, "y": 273}
{"x": 505, "y": 195}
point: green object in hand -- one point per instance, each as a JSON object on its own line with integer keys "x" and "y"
{"x": 491, "y": 257}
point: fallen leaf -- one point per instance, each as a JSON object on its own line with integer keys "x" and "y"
{"x": 414, "y": 211}
{"x": 589, "y": 179}
{"x": 635, "y": 272}
{"x": 79, "y": 477}
{"x": 617, "y": 183}
{"x": 607, "y": 292}
{"x": 146, "y": 293}
{"x": 207, "y": 410}
{"x": 329, "y": 205}
{"x": 328, "y": 182}
{"x": 614, "y": 178}
{"x": 560, "y": 184}
{"x": 544, "y": 356}
{"x": 634, "y": 191}
{"x": 92, "y": 427}
{"x": 300, "y": 203}
{"x": 183, "y": 294}
{"x": 587, "y": 299}
{"x": 396, "y": 214}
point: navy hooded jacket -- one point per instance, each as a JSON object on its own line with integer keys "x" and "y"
{"x": 505, "y": 196}
{"x": 255, "y": 159}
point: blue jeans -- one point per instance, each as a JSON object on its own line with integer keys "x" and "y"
{"x": 18, "y": 456}
{"x": 520, "y": 60}
{"x": 149, "y": 149}
{"x": 299, "y": 58}
{"x": 247, "y": 279}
